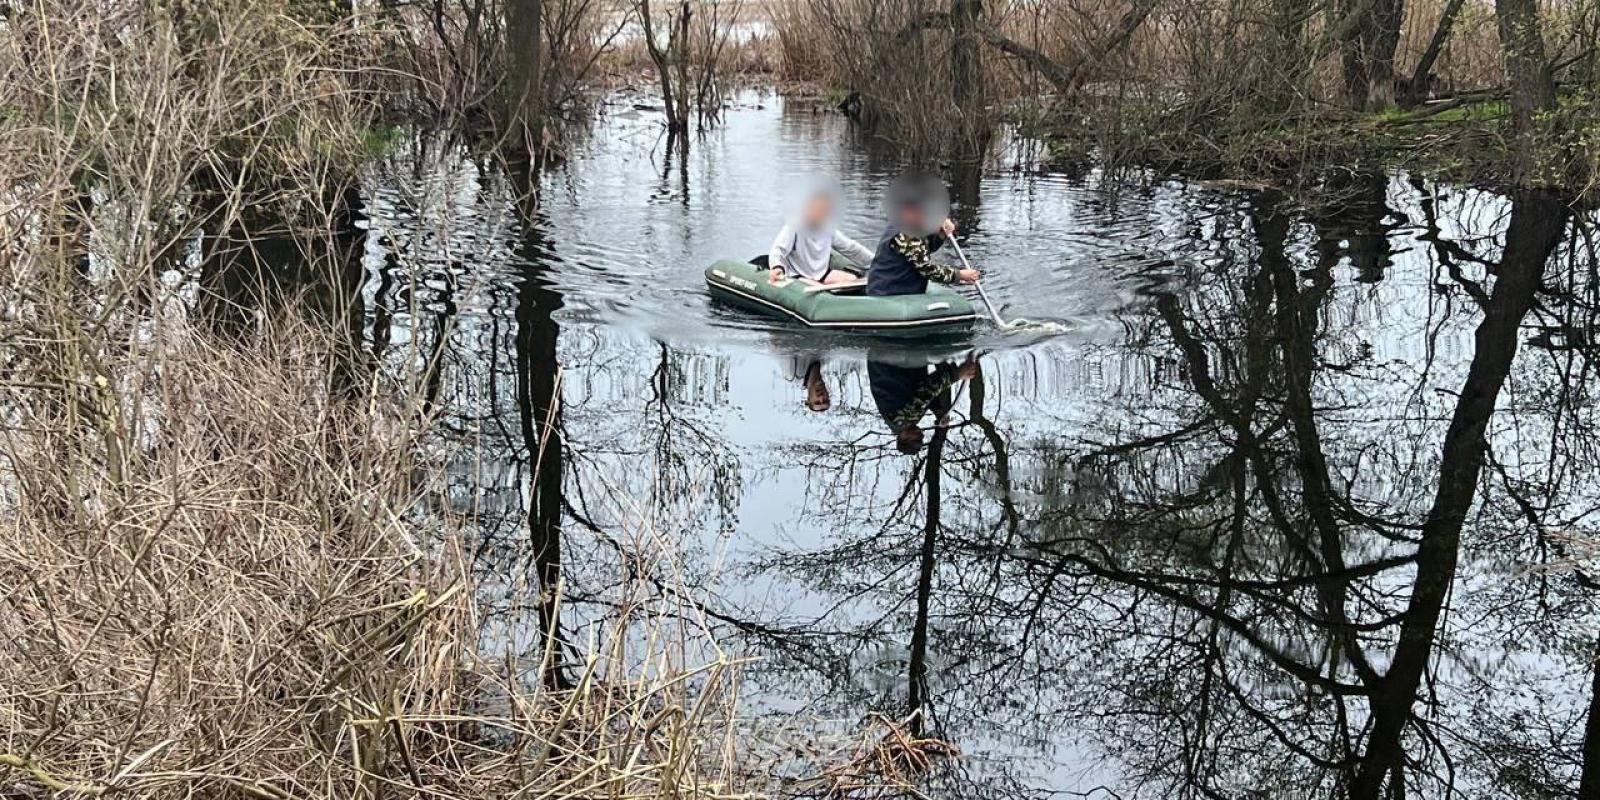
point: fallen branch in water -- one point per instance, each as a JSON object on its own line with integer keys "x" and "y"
{"x": 890, "y": 760}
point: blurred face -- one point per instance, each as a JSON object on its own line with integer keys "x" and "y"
{"x": 818, "y": 210}
{"x": 911, "y": 218}
{"x": 916, "y": 202}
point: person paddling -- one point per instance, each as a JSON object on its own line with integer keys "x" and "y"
{"x": 902, "y": 263}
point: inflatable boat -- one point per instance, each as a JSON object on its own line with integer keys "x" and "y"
{"x": 840, "y": 306}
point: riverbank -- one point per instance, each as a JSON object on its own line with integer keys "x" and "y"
{"x": 230, "y": 573}
{"x": 1467, "y": 140}
{"x": 230, "y": 566}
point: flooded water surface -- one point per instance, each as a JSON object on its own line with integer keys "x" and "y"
{"x": 1290, "y": 508}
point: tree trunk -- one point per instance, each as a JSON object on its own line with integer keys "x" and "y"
{"x": 1069, "y": 76}
{"x": 539, "y": 417}
{"x": 1371, "y": 34}
{"x": 1387, "y": 16}
{"x": 917, "y": 677}
{"x": 1528, "y": 79}
{"x": 661, "y": 55}
{"x": 1060, "y": 78}
{"x": 1116, "y": 39}
{"x": 524, "y": 101}
{"x": 352, "y": 369}
{"x": 966, "y": 73}
{"x": 1417, "y": 88}
{"x": 678, "y": 48}
{"x": 1589, "y": 783}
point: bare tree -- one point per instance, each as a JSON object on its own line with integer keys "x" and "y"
{"x": 670, "y": 61}
{"x": 966, "y": 74}
{"x": 710, "y": 41}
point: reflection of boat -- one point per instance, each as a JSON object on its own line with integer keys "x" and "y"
{"x": 841, "y": 306}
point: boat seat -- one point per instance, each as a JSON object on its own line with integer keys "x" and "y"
{"x": 834, "y": 287}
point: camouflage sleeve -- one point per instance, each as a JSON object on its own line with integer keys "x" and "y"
{"x": 916, "y": 251}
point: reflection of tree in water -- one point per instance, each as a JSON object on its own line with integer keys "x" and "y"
{"x": 539, "y": 414}
{"x": 1263, "y": 586}
{"x": 572, "y": 506}
{"x": 1298, "y": 559}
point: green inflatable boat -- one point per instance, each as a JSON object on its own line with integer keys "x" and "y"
{"x": 841, "y": 306}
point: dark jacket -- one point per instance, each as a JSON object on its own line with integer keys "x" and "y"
{"x": 901, "y": 264}
{"x": 905, "y": 394}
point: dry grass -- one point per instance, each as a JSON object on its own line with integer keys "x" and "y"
{"x": 804, "y": 55}
{"x": 129, "y": 128}
{"x": 894, "y": 75}
{"x": 218, "y": 582}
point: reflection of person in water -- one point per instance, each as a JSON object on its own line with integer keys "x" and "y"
{"x": 807, "y": 371}
{"x": 904, "y": 395}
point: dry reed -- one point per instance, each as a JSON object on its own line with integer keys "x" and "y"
{"x": 889, "y": 759}
{"x": 218, "y": 580}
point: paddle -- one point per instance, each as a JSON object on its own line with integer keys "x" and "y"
{"x": 998, "y": 322}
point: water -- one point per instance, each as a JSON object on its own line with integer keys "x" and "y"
{"x": 1167, "y": 553}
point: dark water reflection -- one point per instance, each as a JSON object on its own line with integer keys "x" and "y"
{"x": 1276, "y": 518}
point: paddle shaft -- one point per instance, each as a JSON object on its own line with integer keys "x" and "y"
{"x": 976, "y": 284}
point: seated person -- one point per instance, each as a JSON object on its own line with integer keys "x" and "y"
{"x": 902, "y": 264}
{"x": 805, "y": 247}
{"x": 904, "y": 395}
